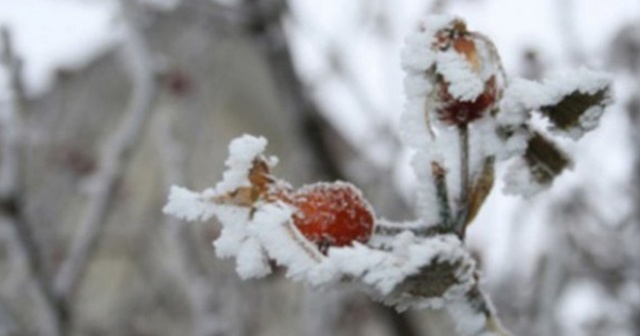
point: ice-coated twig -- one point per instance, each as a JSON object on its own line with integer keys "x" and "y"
{"x": 51, "y": 314}
{"x": 113, "y": 159}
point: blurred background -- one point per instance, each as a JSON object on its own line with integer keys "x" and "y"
{"x": 104, "y": 104}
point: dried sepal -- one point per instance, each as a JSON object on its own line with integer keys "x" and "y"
{"x": 577, "y": 112}
{"x": 431, "y": 281}
{"x": 537, "y": 168}
{"x": 260, "y": 180}
{"x": 545, "y": 160}
{"x": 442, "y": 194}
{"x": 443, "y": 277}
{"x": 482, "y": 186}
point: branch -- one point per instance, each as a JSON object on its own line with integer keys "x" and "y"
{"x": 11, "y": 188}
{"x": 113, "y": 160}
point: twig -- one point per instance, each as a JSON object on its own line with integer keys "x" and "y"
{"x": 463, "y": 201}
{"x": 11, "y": 189}
{"x": 112, "y": 162}
{"x": 442, "y": 194}
{"x": 13, "y": 120}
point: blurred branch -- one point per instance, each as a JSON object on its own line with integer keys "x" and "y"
{"x": 7, "y": 326}
{"x": 199, "y": 287}
{"x": 11, "y": 187}
{"x": 264, "y": 26}
{"x": 113, "y": 160}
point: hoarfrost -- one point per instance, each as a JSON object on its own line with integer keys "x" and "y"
{"x": 520, "y": 181}
{"x": 188, "y": 205}
{"x": 464, "y": 82}
{"x": 242, "y": 152}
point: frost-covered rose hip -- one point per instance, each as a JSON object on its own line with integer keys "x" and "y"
{"x": 332, "y": 214}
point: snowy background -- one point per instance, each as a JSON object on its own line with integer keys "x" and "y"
{"x": 347, "y": 54}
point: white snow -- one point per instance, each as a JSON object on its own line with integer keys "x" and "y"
{"x": 242, "y": 152}
{"x": 468, "y": 321}
{"x": 519, "y": 181}
{"x": 58, "y": 35}
{"x": 188, "y": 205}
{"x": 464, "y": 83}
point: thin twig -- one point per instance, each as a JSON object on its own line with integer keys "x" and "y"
{"x": 112, "y": 163}
{"x": 463, "y": 201}
{"x": 11, "y": 189}
{"x": 442, "y": 194}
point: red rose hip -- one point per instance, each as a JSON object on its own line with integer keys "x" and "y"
{"x": 332, "y": 214}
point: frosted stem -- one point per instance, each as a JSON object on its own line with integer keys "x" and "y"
{"x": 463, "y": 201}
{"x": 439, "y": 179}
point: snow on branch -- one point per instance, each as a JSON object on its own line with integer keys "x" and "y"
{"x": 463, "y": 117}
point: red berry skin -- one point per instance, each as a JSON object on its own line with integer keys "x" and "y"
{"x": 332, "y": 214}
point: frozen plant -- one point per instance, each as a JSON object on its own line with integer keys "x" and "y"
{"x": 462, "y": 117}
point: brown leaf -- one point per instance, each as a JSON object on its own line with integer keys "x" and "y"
{"x": 545, "y": 159}
{"x": 567, "y": 112}
{"x": 481, "y": 189}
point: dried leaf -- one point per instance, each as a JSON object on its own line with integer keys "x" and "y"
{"x": 545, "y": 159}
{"x": 439, "y": 177}
{"x": 566, "y": 114}
{"x": 481, "y": 189}
{"x": 432, "y": 281}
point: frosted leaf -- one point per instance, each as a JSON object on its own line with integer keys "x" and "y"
{"x": 386, "y": 272}
{"x": 242, "y": 152}
{"x": 229, "y": 242}
{"x": 272, "y": 226}
{"x": 573, "y": 102}
{"x": 188, "y": 205}
{"x": 252, "y": 261}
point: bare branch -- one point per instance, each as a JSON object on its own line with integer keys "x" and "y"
{"x": 11, "y": 192}
{"x": 113, "y": 160}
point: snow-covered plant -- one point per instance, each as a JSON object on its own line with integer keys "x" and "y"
{"x": 462, "y": 117}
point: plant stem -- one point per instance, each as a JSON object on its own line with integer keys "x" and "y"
{"x": 439, "y": 178}
{"x": 463, "y": 201}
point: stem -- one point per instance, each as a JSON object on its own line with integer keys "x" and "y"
{"x": 439, "y": 177}
{"x": 114, "y": 158}
{"x": 463, "y": 202}
{"x": 12, "y": 188}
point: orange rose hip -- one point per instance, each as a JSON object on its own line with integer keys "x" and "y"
{"x": 332, "y": 214}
